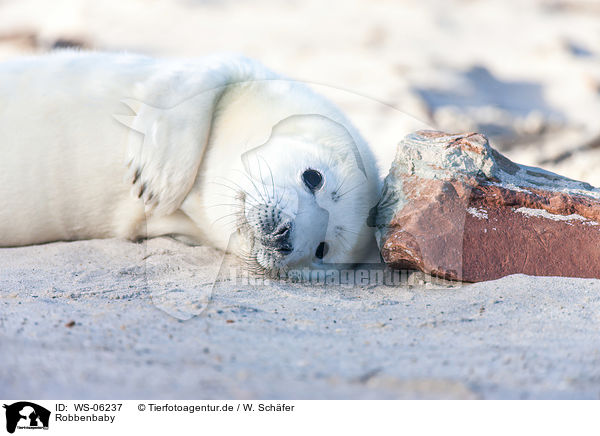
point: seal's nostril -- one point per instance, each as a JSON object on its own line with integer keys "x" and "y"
{"x": 282, "y": 230}
{"x": 322, "y": 250}
{"x": 279, "y": 239}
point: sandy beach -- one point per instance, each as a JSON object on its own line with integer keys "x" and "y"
{"x": 118, "y": 319}
{"x": 518, "y": 337}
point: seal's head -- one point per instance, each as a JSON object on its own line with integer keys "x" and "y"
{"x": 305, "y": 198}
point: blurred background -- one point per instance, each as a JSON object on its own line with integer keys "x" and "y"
{"x": 524, "y": 72}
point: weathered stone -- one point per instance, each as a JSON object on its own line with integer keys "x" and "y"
{"x": 456, "y": 208}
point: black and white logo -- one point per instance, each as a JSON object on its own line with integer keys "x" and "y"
{"x": 26, "y": 415}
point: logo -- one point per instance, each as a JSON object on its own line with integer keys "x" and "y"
{"x": 26, "y": 415}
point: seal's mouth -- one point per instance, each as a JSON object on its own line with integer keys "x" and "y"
{"x": 264, "y": 253}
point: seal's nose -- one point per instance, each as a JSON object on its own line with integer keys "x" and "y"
{"x": 279, "y": 238}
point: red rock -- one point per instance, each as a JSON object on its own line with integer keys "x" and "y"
{"x": 456, "y": 208}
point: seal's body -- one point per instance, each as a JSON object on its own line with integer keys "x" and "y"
{"x": 97, "y": 145}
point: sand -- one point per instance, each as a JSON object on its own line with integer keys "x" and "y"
{"x": 518, "y": 337}
{"x": 116, "y": 319}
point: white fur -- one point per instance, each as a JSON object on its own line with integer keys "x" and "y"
{"x": 73, "y": 161}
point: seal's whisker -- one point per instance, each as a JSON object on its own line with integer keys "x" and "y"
{"x": 253, "y": 184}
{"x": 230, "y": 222}
{"x": 251, "y": 179}
{"x": 222, "y": 204}
{"x": 226, "y": 186}
{"x": 227, "y": 222}
{"x": 343, "y": 229}
{"x": 278, "y": 201}
{"x": 262, "y": 179}
{"x": 275, "y": 195}
{"x": 250, "y": 262}
{"x": 237, "y": 214}
{"x": 285, "y": 205}
{"x": 241, "y": 190}
{"x": 236, "y": 191}
{"x": 341, "y": 183}
{"x": 271, "y": 175}
{"x": 349, "y": 190}
{"x": 347, "y": 245}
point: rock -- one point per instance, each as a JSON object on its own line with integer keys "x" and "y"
{"x": 456, "y": 208}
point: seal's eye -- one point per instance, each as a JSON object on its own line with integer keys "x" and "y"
{"x": 322, "y": 250}
{"x": 312, "y": 179}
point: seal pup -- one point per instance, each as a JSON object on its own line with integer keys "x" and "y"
{"x": 217, "y": 150}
